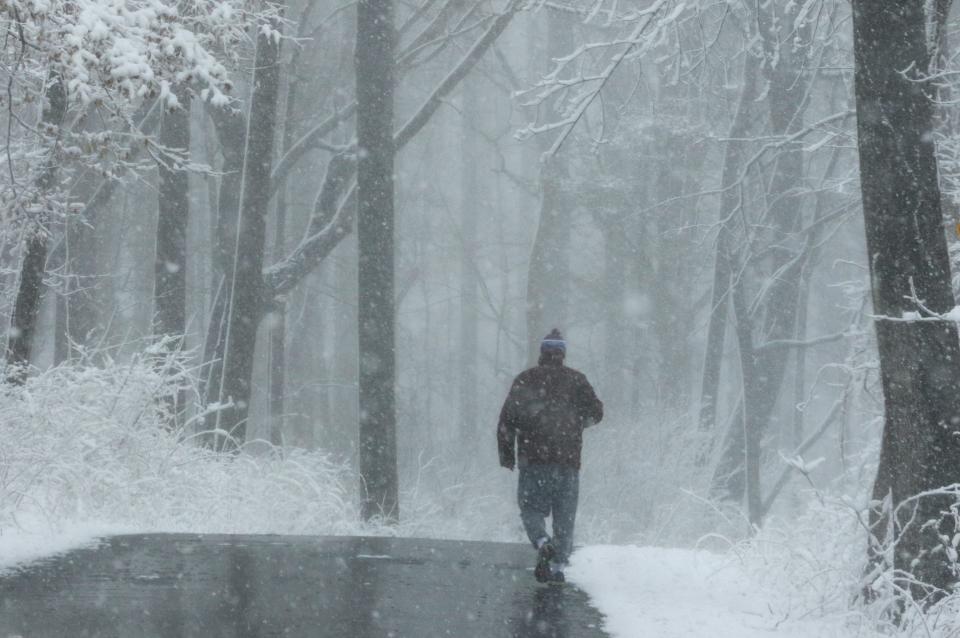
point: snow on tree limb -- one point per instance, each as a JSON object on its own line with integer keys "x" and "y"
{"x": 326, "y": 229}
{"x": 587, "y": 87}
{"x": 110, "y": 51}
{"x": 330, "y": 222}
{"x": 432, "y": 103}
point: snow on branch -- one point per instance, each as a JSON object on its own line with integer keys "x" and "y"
{"x": 572, "y": 92}
{"x": 133, "y": 49}
{"x": 332, "y": 222}
{"x": 328, "y": 226}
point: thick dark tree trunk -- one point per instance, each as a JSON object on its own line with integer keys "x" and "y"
{"x": 173, "y": 198}
{"x": 278, "y": 316}
{"x": 278, "y": 324}
{"x": 231, "y": 134}
{"x": 23, "y": 324}
{"x": 331, "y": 222}
{"x": 244, "y": 286}
{"x": 27, "y": 306}
{"x": 910, "y": 277}
{"x": 173, "y": 216}
{"x": 374, "y": 60}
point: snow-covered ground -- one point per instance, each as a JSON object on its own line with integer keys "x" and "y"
{"x": 674, "y": 593}
{"x": 87, "y": 453}
{"x": 20, "y": 546}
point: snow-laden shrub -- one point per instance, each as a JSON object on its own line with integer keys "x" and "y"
{"x": 814, "y": 562}
{"x": 814, "y": 566}
{"x": 84, "y": 443}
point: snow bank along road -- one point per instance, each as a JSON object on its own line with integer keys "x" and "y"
{"x": 655, "y": 592}
{"x": 167, "y": 585}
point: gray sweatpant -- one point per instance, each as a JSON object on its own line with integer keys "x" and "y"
{"x": 546, "y": 490}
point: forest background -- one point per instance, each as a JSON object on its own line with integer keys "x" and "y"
{"x": 673, "y": 184}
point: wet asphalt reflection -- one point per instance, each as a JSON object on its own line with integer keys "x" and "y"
{"x": 165, "y": 585}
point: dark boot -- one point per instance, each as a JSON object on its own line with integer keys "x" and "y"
{"x": 556, "y": 573}
{"x": 544, "y": 555}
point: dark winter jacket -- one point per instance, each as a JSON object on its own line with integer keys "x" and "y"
{"x": 545, "y": 414}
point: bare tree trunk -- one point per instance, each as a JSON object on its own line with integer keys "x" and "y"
{"x": 774, "y": 317}
{"x": 278, "y": 339}
{"x": 61, "y": 347}
{"x": 173, "y": 197}
{"x": 469, "y": 348}
{"x": 231, "y": 135}
{"x": 173, "y": 216}
{"x": 278, "y": 312}
{"x": 375, "y": 229}
{"x": 330, "y": 223}
{"x": 910, "y": 277}
{"x": 244, "y": 282}
{"x": 723, "y": 272}
{"x": 27, "y": 305}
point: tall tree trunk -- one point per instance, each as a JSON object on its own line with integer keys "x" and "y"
{"x": 332, "y": 220}
{"x": 278, "y": 324}
{"x": 775, "y": 317}
{"x": 723, "y": 271}
{"x": 374, "y": 60}
{"x": 61, "y": 346}
{"x": 278, "y": 338}
{"x": 244, "y": 286}
{"x": 173, "y": 216}
{"x": 173, "y": 198}
{"x": 278, "y": 321}
{"x": 30, "y": 291}
{"x": 231, "y": 135}
{"x": 910, "y": 278}
{"x": 468, "y": 348}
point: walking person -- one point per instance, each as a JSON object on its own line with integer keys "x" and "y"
{"x": 541, "y": 431}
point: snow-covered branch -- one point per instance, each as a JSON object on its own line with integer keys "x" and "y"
{"x": 644, "y": 35}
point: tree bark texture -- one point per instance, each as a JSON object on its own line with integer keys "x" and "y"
{"x": 333, "y": 216}
{"x": 244, "y": 282}
{"x": 278, "y": 324}
{"x": 374, "y": 63}
{"x": 910, "y": 273}
{"x": 173, "y": 197}
{"x": 30, "y": 291}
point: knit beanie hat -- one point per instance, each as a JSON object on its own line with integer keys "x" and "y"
{"x": 553, "y": 342}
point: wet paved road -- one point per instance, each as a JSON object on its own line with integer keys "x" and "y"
{"x": 258, "y": 586}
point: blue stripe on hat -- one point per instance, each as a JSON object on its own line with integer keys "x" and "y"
{"x": 553, "y": 344}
